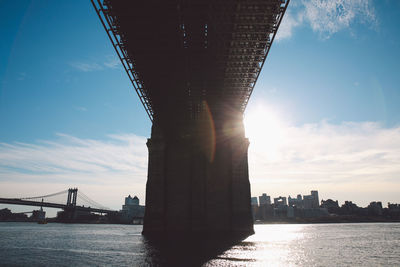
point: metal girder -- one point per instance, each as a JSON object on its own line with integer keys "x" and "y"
{"x": 177, "y": 50}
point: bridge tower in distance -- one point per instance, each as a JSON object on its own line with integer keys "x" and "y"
{"x": 72, "y": 196}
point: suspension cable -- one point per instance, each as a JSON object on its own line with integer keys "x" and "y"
{"x": 45, "y": 196}
{"x": 90, "y": 201}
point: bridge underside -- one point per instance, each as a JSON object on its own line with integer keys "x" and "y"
{"x": 194, "y": 64}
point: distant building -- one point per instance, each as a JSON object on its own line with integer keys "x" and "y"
{"x": 290, "y": 212}
{"x": 254, "y": 201}
{"x": 311, "y": 201}
{"x": 308, "y": 202}
{"x": 131, "y": 210}
{"x": 349, "y": 208}
{"x": 314, "y": 193}
{"x": 38, "y": 215}
{"x": 394, "y": 210}
{"x": 331, "y": 206}
{"x": 265, "y": 210}
{"x": 264, "y": 199}
{"x": 375, "y": 208}
{"x": 296, "y": 202}
{"x": 254, "y": 208}
{"x": 280, "y": 201}
{"x": 313, "y": 213}
{"x": 7, "y": 215}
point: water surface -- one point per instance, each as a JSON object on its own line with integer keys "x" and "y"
{"x": 367, "y": 244}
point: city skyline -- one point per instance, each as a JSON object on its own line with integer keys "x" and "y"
{"x": 324, "y": 113}
{"x": 298, "y": 196}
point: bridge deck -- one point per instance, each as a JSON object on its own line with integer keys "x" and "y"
{"x": 17, "y": 201}
{"x": 180, "y": 53}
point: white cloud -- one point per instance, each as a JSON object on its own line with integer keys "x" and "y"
{"x": 72, "y": 156}
{"x": 80, "y": 108}
{"x": 105, "y": 170}
{"x": 330, "y": 16}
{"x": 350, "y": 161}
{"x": 326, "y": 17}
{"x": 86, "y": 67}
{"x": 288, "y": 24}
{"x": 360, "y": 157}
{"x": 21, "y": 76}
{"x": 110, "y": 62}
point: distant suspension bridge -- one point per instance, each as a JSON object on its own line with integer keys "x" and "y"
{"x": 57, "y": 200}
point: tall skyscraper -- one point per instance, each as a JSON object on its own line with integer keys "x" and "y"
{"x": 314, "y": 193}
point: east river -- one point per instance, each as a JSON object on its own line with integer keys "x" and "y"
{"x": 358, "y": 244}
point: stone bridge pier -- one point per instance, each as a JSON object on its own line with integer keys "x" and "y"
{"x": 198, "y": 176}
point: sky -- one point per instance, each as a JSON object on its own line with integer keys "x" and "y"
{"x": 324, "y": 114}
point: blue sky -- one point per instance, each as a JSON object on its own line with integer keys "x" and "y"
{"x": 331, "y": 86}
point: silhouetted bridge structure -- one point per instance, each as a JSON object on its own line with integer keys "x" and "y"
{"x": 194, "y": 65}
{"x": 69, "y": 205}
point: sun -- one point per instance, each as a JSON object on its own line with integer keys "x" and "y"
{"x": 265, "y": 131}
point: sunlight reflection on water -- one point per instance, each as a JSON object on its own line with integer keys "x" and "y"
{"x": 360, "y": 244}
{"x": 272, "y": 245}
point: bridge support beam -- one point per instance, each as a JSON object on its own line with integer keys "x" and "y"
{"x": 198, "y": 178}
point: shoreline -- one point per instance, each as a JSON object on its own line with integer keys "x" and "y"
{"x": 294, "y": 221}
{"x": 330, "y": 219}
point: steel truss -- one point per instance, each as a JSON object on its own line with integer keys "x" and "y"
{"x": 216, "y": 49}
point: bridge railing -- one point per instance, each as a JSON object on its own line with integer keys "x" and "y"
{"x": 118, "y": 44}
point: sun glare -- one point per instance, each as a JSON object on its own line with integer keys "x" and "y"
{"x": 265, "y": 131}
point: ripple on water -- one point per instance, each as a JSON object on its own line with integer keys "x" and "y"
{"x": 372, "y": 244}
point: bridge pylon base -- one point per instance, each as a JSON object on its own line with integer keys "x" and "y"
{"x": 198, "y": 180}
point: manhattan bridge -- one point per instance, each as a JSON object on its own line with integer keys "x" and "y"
{"x": 194, "y": 65}
{"x": 66, "y": 200}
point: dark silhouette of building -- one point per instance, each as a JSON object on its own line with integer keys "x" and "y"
{"x": 375, "y": 208}
{"x": 349, "y": 208}
{"x": 7, "y": 215}
{"x": 131, "y": 211}
{"x": 331, "y": 206}
{"x": 264, "y": 199}
{"x": 296, "y": 202}
{"x": 38, "y": 215}
{"x": 393, "y": 211}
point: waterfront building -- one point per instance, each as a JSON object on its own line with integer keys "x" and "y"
{"x": 131, "y": 200}
{"x": 264, "y": 199}
{"x": 314, "y": 193}
{"x": 266, "y": 210}
{"x": 296, "y": 202}
{"x": 394, "y": 210}
{"x": 331, "y": 206}
{"x": 38, "y": 215}
{"x": 254, "y": 201}
{"x": 254, "y": 208}
{"x": 280, "y": 202}
{"x": 313, "y": 213}
{"x": 311, "y": 201}
{"x": 349, "y": 208}
{"x": 308, "y": 201}
{"x": 375, "y": 208}
{"x": 7, "y": 215}
{"x": 290, "y": 212}
{"x": 131, "y": 210}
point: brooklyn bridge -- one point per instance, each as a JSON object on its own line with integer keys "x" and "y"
{"x": 194, "y": 65}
